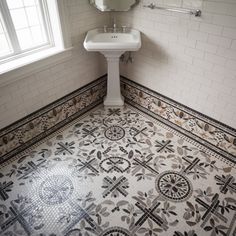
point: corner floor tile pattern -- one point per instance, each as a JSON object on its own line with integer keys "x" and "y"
{"x": 118, "y": 172}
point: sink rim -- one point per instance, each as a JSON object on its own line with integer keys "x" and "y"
{"x": 135, "y": 45}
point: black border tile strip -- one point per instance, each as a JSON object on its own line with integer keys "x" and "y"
{"x": 218, "y": 137}
{"x": 26, "y": 132}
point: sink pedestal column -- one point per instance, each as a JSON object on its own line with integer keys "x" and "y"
{"x": 113, "y": 97}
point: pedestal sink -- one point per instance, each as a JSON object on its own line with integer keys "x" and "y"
{"x": 112, "y": 46}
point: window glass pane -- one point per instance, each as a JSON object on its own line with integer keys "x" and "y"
{"x": 19, "y": 18}
{"x": 29, "y": 2}
{"x": 28, "y": 27}
{"x": 14, "y": 4}
{"x": 38, "y": 36}
{"x": 25, "y": 39}
{"x": 29, "y": 24}
{"x": 4, "y": 47}
{"x": 32, "y": 15}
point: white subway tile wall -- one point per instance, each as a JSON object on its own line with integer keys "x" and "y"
{"x": 191, "y": 60}
{"x": 31, "y": 93}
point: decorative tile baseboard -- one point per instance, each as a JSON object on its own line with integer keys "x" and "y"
{"x": 218, "y": 137}
{"x": 26, "y": 132}
{"x": 208, "y": 132}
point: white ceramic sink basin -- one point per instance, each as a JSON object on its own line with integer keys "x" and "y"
{"x": 112, "y": 46}
{"x": 97, "y": 40}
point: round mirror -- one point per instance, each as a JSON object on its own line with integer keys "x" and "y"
{"x": 113, "y": 5}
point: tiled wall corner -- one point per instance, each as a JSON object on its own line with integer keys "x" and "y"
{"x": 191, "y": 60}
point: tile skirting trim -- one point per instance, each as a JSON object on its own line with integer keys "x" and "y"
{"x": 22, "y": 134}
{"x": 218, "y": 137}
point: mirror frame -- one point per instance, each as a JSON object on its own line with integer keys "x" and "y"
{"x": 92, "y": 2}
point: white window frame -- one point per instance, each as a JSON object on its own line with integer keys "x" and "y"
{"x": 17, "y": 51}
{"x": 34, "y": 62}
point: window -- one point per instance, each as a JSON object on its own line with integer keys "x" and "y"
{"x": 24, "y": 28}
{"x": 34, "y": 35}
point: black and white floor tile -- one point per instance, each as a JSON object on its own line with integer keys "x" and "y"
{"x": 118, "y": 172}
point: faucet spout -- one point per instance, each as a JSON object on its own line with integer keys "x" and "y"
{"x": 114, "y": 28}
{"x": 114, "y": 25}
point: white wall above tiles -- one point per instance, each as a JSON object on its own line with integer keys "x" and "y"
{"x": 37, "y": 90}
{"x": 191, "y": 60}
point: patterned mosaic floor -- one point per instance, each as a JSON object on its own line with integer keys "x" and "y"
{"x": 117, "y": 172}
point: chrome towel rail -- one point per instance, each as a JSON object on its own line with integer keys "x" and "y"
{"x": 196, "y": 13}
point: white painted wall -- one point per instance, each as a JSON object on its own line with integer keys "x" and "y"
{"x": 52, "y": 82}
{"x": 191, "y": 60}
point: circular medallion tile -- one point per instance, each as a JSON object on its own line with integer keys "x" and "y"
{"x": 55, "y": 189}
{"x": 115, "y": 133}
{"x": 116, "y": 231}
{"x": 173, "y": 186}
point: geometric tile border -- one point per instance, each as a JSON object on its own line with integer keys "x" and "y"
{"x": 218, "y": 137}
{"x": 38, "y": 125}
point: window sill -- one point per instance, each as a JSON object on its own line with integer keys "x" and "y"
{"x": 28, "y": 65}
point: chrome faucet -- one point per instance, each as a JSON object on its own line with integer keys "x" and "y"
{"x": 114, "y": 25}
{"x": 114, "y": 28}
